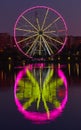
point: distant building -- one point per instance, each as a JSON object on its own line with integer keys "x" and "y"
{"x": 72, "y": 46}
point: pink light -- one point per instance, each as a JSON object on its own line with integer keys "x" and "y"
{"x": 38, "y": 117}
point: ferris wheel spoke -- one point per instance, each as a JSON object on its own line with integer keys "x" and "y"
{"x": 38, "y": 23}
{"x": 52, "y": 44}
{"x": 47, "y": 46}
{"x": 62, "y": 30}
{"x": 33, "y": 50}
{"x": 50, "y": 31}
{"x": 51, "y": 23}
{"x": 34, "y": 42}
{"x": 51, "y": 34}
{"x": 29, "y": 23}
{"x": 26, "y": 44}
{"x": 45, "y": 19}
{"x": 40, "y": 44}
{"x": 25, "y": 30}
{"x": 34, "y": 47}
{"x": 26, "y": 34}
{"x": 27, "y": 38}
{"x": 61, "y": 43}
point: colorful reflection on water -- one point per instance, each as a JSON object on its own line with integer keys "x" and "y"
{"x": 40, "y": 92}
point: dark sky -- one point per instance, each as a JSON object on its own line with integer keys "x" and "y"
{"x": 69, "y": 9}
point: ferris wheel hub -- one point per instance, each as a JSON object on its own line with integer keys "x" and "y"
{"x": 40, "y": 32}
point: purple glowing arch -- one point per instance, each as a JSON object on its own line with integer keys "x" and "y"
{"x": 38, "y": 117}
{"x": 64, "y": 30}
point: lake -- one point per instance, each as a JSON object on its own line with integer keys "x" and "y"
{"x": 40, "y": 96}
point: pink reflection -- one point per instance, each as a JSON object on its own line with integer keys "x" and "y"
{"x": 38, "y": 117}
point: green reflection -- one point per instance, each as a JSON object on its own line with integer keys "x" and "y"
{"x": 30, "y": 90}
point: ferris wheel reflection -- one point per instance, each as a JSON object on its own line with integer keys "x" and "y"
{"x": 40, "y": 92}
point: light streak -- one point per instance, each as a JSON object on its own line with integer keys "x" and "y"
{"x": 29, "y": 23}
{"x": 33, "y": 44}
{"x": 27, "y": 38}
{"x": 53, "y": 39}
{"x": 40, "y": 45}
{"x": 38, "y": 23}
{"x": 51, "y": 23}
{"x": 25, "y": 30}
{"x": 47, "y": 44}
{"x": 49, "y": 31}
{"x": 45, "y": 19}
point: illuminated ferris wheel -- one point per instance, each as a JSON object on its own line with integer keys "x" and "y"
{"x": 40, "y": 31}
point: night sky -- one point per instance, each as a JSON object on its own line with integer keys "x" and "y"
{"x": 69, "y": 9}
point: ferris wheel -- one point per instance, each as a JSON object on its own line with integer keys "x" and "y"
{"x": 40, "y": 31}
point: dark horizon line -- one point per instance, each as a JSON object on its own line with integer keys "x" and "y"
{"x": 70, "y": 35}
